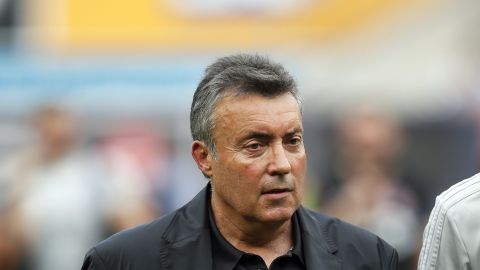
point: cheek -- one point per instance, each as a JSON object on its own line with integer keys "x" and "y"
{"x": 300, "y": 163}
{"x": 243, "y": 174}
{"x": 299, "y": 166}
{"x": 253, "y": 171}
{"x": 248, "y": 181}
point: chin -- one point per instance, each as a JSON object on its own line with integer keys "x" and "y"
{"x": 278, "y": 215}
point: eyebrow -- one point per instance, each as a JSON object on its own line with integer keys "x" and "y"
{"x": 267, "y": 136}
{"x": 257, "y": 135}
{"x": 295, "y": 131}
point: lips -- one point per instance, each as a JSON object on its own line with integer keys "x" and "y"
{"x": 277, "y": 190}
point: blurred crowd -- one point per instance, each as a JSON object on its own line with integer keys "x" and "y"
{"x": 68, "y": 181}
{"x": 61, "y": 194}
{"x": 64, "y": 189}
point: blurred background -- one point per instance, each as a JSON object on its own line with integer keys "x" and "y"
{"x": 95, "y": 97}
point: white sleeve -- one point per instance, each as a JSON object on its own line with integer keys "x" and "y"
{"x": 443, "y": 247}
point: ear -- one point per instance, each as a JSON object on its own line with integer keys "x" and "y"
{"x": 202, "y": 157}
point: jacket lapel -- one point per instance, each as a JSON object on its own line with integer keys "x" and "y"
{"x": 319, "y": 249}
{"x": 191, "y": 253}
{"x": 188, "y": 242}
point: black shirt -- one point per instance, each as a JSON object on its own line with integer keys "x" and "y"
{"x": 227, "y": 257}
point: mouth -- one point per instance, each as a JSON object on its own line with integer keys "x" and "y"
{"x": 277, "y": 191}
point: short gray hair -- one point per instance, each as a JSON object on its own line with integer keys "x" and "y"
{"x": 239, "y": 74}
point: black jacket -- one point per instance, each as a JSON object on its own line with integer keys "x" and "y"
{"x": 181, "y": 241}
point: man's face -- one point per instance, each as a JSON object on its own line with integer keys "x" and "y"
{"x": 260, "y": 164}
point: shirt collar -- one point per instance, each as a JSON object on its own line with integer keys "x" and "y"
{"x": 226, "y": 256}
{"x": 297, "y": 247}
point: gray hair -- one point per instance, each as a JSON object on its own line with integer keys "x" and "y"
{"x": 237, "y": 74}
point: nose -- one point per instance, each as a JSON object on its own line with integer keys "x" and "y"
{"x": 279, "y": 163}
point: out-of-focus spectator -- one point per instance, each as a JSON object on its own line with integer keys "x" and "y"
{"x": 53, "y": 196}
{"x": 365, "y": 188}
{"x": 137, "y": 163}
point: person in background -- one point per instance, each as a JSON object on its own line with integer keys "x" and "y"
{"x": 53, "y": 195}
{"x": 136, "y": 162}
{"x": 247, "y": 130}
{"x": 365, "y": 187}
{"x": 451, "y": 239}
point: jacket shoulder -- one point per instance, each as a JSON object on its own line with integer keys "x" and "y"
{"x": 354, "y": 245}
{"x": 145, "y": 246}
{"x": 138, "y": 246}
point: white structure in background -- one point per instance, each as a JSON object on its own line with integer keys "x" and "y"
{"x": 240, "y": 7}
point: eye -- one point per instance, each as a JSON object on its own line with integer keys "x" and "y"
{"x": 295, "y": 141}
{"x": 254, "y": 146}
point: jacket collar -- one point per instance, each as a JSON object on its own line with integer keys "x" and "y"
{"x": 319, "y": 248}
{"x": 188, "y": 242}
{"x": 188, "y": 239}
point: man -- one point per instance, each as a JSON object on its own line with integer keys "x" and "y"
{"x": 247, "y": 129}
{"x": 452, "y": 237}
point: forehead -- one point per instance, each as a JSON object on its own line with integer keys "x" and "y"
{"x": 253, "y": 111}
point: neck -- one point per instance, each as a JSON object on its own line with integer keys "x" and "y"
{"x": 268, "y": 240}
